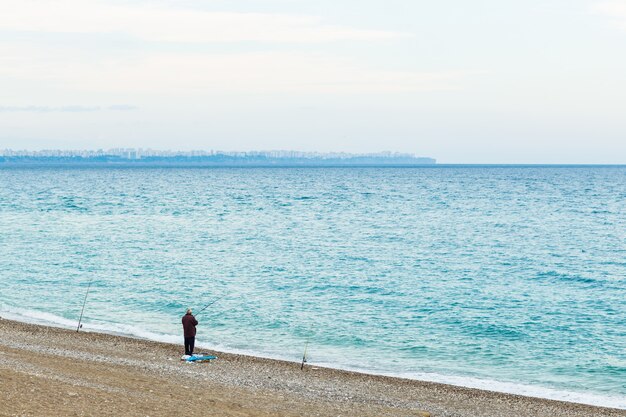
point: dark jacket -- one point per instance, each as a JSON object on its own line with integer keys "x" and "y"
{"x": 189, "y": 325}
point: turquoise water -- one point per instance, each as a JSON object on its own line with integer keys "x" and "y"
{"x": 507, "y": 278}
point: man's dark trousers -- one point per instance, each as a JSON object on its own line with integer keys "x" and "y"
{"x": 189, "y": 342}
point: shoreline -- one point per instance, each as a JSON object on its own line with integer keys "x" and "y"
{"x": 502, "y": 387}
{"x": 99, "y": 374}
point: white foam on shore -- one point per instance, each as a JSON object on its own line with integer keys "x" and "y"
{"x": 48, "y": 319}
{"x": 517, "y": 389}
{"x": 37, "y": 317}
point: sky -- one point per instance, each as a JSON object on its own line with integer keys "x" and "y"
{"x": 486, "y": 81}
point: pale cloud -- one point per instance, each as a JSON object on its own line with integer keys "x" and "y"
{"x": 65, "y": 109}
{"x": 262, "y": 72}
{"x": 217, "y": 73}
{"x": 170, "y": 24}
{"x": 615, "y": 10}
{"x": 66, "y": 69}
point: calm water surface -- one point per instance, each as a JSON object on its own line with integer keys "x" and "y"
{"x": 508, "y": 278}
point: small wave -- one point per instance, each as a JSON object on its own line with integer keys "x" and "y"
{"x": 553, "y": 275}
{"x": 414, "y": 349}
{"x": 494, "y": 331}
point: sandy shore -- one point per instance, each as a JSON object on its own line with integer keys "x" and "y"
{"x": 47, "y": 371}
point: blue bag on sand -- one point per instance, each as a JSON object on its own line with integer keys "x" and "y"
{"x": 198, "y": 358}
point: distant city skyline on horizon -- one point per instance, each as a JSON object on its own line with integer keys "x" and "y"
{"x": 493, "y": 82}
{"x": 277, "y": 154}
{"x": 209, "y": 158}
{"x": 197, "y": 152}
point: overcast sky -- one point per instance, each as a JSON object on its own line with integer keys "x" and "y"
{"x": 484, "y": 81}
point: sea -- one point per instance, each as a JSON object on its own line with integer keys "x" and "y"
{"x": 507, "y": 278}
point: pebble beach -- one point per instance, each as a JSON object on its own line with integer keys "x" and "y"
{"x": 49, "y": 371}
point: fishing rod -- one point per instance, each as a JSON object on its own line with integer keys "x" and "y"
{"x": 232, "y": 308}
{"x": 83, "y": 309}
{"x": 304, "y": 355}
{"x": 224, "y": 296}
{"x": 209, "y": 305}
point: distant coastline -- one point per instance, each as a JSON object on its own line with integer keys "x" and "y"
{"x": 139, "y": 157}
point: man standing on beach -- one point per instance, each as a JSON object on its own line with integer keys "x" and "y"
{"x": 189, "y": 329}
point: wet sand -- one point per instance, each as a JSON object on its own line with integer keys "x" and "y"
{"x": 47, "y": 371}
